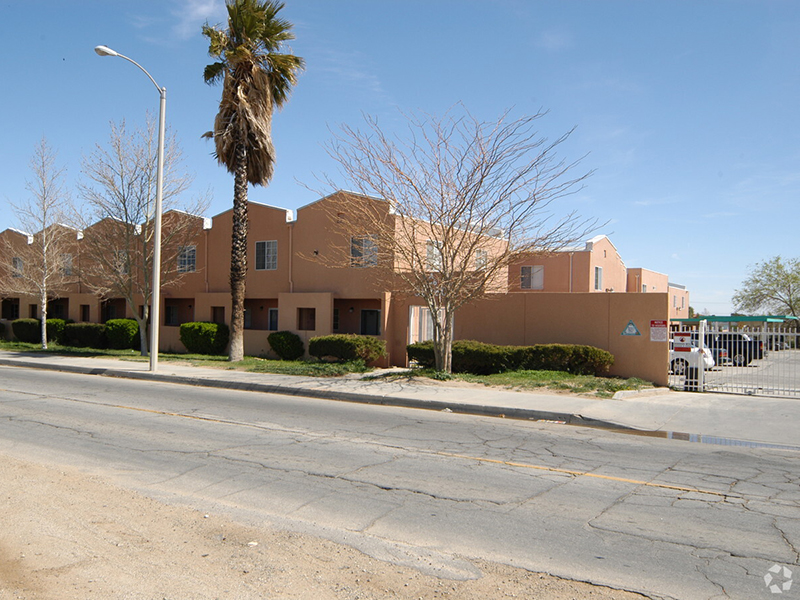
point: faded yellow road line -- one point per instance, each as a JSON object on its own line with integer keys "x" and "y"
{"x": 574, "y": 473}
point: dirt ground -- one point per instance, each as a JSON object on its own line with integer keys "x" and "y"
{"x": 66, "y": 535}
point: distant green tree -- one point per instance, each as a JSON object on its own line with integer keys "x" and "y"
{"x": 773, "y": 287}
{"x": 256, "y": 77}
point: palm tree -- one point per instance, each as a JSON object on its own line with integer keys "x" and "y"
{"x": 256, "y": 78}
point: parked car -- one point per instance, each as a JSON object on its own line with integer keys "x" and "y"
{"x": 741, "y": 349}
{"x": 683, "y": 359}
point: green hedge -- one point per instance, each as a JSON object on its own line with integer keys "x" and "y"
{"x": 287, "y": 345}
{"x": 55, "y": 330}
{"x": 204, "y": 338}
{"x": 347, "y": 347}
{"x": 85, "y": 335}
{"x": 27, "y": 330}
{"x": 122, "y": 334}
{"x": 470, "y": 356}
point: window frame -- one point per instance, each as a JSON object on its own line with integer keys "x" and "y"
{"x": 363, "y": 251}
{"x": 535, "y": 272}
{"x": 187, "y": 259}
{"x": 266, "y": 255}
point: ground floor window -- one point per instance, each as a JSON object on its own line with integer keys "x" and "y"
{"x": 218, "y": 314}
{"x": 85, "y": 313}
{"x": 273, "y": 319}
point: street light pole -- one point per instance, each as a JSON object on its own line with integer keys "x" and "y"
{"x": 156, "y": 291}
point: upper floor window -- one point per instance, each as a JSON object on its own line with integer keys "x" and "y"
{"x": 17, "y": 266}
{"x": 121, "y": 265}
{"x": 66, "y": 264}
{"x": 267, "y": 255}
{"x": 532, "y": 277}
{"x": 187, "y": 259}
{"x": 481, "y": 259}
{"x": 363, "y": 251}
{"x": 598, "y": 278}
{"x": 434, "y": 255}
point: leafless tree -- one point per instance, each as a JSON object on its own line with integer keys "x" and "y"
{"x": 443, "y": 213}
{"x": 118, "y": 218}
{"x": 39, "y": 261}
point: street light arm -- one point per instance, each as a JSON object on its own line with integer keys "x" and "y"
{"x": 106, "y": 51}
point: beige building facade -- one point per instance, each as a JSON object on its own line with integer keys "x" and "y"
{"x": 577, "y": 295}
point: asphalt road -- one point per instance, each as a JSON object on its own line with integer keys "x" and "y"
{"x": 667, "y": 518}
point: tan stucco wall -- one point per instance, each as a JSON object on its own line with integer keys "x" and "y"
{"x": 583, "y": 318}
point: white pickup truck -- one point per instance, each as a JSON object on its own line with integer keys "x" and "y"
{"x": 681, "y": 359}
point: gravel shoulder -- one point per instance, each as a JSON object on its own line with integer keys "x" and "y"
{"x": 68, "y": 535}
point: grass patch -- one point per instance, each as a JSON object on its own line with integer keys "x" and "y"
{"x": 251, "y": 364}
{"x": 602, "y": 387}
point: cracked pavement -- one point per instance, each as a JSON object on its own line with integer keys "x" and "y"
{"x": 666, "y": 518}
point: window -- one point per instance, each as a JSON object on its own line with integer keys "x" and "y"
{"x": 674, "y": 301}
{"x": 481, "y": 259}
{"x": 187, "y": 259}
{"x": 267, "y": 255}
{"x": 273, "y": 319}
{"x": 644, "y": 288}
{"x": 66, "y": 264}
{"x": 532, "y": 278}
{"x": 85, "y": 313}
{"x": 434, "y": 255}
{"x": 170, "y": 315}
{"x": 10, "y": 309}
{"x": 370, "y": 322}
{"x": 336, "y": 319}
{"x": 306, "y": 319}
{"x": 33, "y": 311}
{"x": 16, "y": 264}
{"x": 683, "y": 302}
{"x": 363, "y": 251}
{"x": 598, "y": 278}
{"x": 121, "y": 265}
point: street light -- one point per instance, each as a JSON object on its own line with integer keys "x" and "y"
{"x": 156, "y": 293}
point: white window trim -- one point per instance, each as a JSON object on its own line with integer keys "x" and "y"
{"x": 270, "y": 258}
{"x": 598, "y": 279}
{"x": 535, "y": 277}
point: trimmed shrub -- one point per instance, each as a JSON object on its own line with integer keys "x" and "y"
{"x": 122, "y": 334}
{"x": 204, "y": 338}
{"x": 55, "y": 330}
{"x": 287, "y": 345}
{"x": 347, "y": 347}
{"x": 85, "y": 335}
{"x": 484, "y": 359}
{"x": 422, "y": 354}
{"x": 27, "y": 330}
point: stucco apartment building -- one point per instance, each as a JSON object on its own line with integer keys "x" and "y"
{"x": 577, "y": 295}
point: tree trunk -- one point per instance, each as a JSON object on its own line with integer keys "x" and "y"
{"x": 43, "y": 300}
{"x": 143, "y": 337}
{"x": 443, "y": 343}
{"x": 238, "y": 254}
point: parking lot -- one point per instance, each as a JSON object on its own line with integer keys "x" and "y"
{"x": 777, "y": 374}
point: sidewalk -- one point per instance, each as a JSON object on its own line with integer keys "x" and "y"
{"x": 735, "y": 419}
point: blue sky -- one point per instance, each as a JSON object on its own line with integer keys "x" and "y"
{"x": 688, "y": 111}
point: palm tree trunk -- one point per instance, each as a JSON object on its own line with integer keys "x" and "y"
{"x": 238, "y": 254}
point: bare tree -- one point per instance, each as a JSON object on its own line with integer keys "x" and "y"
{"x": 39, "y": 262}
{"x": 119, "y": 192}
{"x": 442, "y": 214}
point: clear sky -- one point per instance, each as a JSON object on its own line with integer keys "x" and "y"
{"x": 688, "y": 111}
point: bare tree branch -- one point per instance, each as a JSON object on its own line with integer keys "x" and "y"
{"x": 450, "y": 207}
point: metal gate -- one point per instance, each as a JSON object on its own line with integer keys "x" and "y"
{"x": 755, "y": 360}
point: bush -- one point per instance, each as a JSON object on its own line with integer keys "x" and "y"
{"x": 85, "y": 335}
{"x": 55, "y": 330}
{"x": 287, "y": 345}
{"x": 204, "y": 338}
{"x": 346, "y": 347}
{"x": 122, "y": 334}
{"x": 27, "y": 330}
{"x": 484, "y": 359}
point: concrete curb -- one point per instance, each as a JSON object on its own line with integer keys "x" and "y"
{"x": 485, "y": 410}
